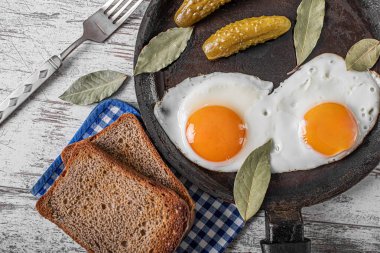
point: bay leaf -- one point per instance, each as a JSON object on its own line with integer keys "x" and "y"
{"x": 252, "y": 181}
{"x": 310, "y": 19}
{"x": 94, "y": 87}
{"x": 163, "y": 50}
{"x": 363, "y": 55}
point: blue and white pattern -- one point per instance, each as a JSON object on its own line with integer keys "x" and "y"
{"x": 216, "y": 223}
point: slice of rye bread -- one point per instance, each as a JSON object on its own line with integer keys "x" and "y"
{"x": 126, "y": 141}
{"x": 107, "y": 208}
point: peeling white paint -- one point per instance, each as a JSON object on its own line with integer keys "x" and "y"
{"x": 30, "y": 32}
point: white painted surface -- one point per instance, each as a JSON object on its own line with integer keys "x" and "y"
{"x": 33, "y": 30}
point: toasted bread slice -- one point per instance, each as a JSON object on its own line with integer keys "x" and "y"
{"x": 126, "y": 141}
{"x": 107, "y": 208}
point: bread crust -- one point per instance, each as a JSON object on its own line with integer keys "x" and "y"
{"x": 44, "y": 209}
{"x": 177, "y": 185}
{"x": 67, "y": 152}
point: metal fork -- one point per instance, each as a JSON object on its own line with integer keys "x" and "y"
{"x": 97, "y": 28}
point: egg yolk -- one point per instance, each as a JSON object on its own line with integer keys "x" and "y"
{"x": 330, "y": 128}
{"x": 215, "y": 133}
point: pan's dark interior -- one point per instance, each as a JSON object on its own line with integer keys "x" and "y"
{"x": 346, "y": 22}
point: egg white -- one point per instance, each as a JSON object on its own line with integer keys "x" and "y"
{"x": 278, "y": 116}
{"x": 323, "y": 79}
{"x": 232, "y": 90}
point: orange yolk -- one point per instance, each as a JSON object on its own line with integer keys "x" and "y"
{"x": 215, "y": 133}
{"x": 330, "y": 128}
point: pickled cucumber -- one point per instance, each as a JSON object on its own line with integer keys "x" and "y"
{"x": 191, "y": 11}
{"x": 243, "y": 34}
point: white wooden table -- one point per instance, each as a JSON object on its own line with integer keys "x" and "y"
{"x": 33, "y": 30}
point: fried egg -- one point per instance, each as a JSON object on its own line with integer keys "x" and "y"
{"x": 318, "y": 115}
{"x": 205, "y": 117}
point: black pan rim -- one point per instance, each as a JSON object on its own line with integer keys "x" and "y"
{"x": 304, "y": 197}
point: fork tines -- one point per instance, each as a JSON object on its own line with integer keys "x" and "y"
{"x": 119, "y": 10}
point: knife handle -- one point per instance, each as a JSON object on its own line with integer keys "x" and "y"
{"x": 18, "y": 96}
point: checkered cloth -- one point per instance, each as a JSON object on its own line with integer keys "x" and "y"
{"x": 216, "y": 223}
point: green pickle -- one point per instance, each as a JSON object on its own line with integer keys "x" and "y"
{"x": 191, "y": 11}
{"x": 243, "y": 34}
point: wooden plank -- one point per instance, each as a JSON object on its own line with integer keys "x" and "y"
{"x": 30, "y": 32}
{"x": 325, "y": 237}
{"x": 357, "y": 206}
{"x": 24, "y": 230}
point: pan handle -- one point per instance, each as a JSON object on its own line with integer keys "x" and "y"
{"x": 284, "y": 233}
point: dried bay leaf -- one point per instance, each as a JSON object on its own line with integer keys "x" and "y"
{"x": 363, "y": 55}
{"x": 310, "y": 18}
{"x": 94, "y": 87}
{"x": 163, "y": 50}
{"x": 252, "y": 181}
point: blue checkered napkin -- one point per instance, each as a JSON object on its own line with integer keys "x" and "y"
{"x": 216, "y": 223}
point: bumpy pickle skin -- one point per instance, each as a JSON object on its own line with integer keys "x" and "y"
{"x": 192, "y": 11}
{"x": 243, "y": 34}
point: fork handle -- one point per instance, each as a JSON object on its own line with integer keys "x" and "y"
{"x": 22, "y": 92}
